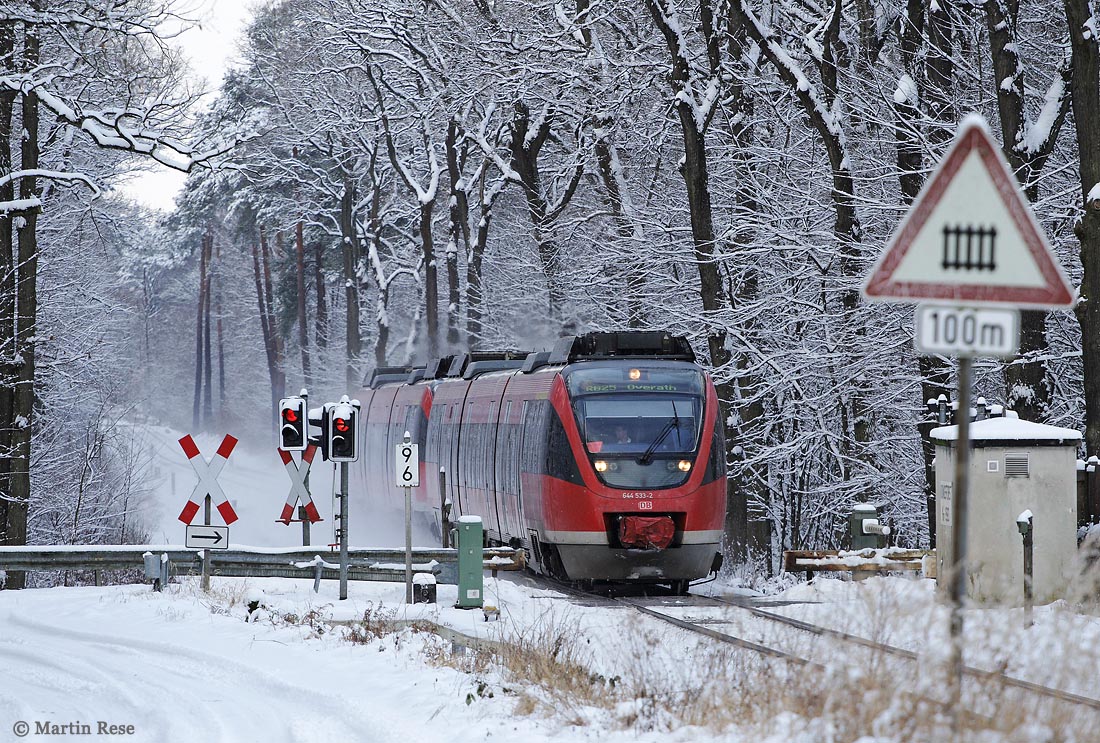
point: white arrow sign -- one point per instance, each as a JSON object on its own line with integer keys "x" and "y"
{"x": 207, "y": 537}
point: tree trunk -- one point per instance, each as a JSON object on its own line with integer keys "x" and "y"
{"x": 266, "y": 327}
{"x": 475, "y": 257}
{"x": 460, "y": 230}
{"x": 196, "y": 407}
{"x": 629, "y": 312}
{"x": 26, "y": 317}
{"x": 303, "y": 331}
{"x": 320, "y": 321}
{"x": 222, "y": 396}
{"x": 694, "y": 170}
{"x": 937, "y": 100}
{"x": 349, "y": 241}
{"x": 935, "y": 375}
{"x": 7, "y": 292}
{"x": 1085, "y": 97}
{"x": 525, "y": 149}
{"x": 1028, "y": 386}
{"x": 278, "y": 376}
{"x": 431, "y": 277}
{"x": 208, "y": 362}
{"x": 743, "y": 394}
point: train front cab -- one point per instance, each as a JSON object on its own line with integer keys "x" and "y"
{"x": 634, "y": 451}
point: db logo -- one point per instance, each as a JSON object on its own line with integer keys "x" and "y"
{"x": 645, "y": 505}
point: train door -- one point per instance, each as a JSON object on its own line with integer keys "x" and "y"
{"x": 509, "y": 434}
{"x": 488, "y": 472}
{"x": 453, "y": 471}
{"x": 433, "y": 458}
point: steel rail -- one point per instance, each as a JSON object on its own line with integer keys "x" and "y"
{"x": 999, "y": 676}
{"x": 721, "y": 636}
{"x": 683, "y": 624}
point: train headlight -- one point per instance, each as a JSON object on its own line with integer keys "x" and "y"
{"x": 635, "y": 374}
{"x": 684, "y": 465}
{"x": 600, "y": 465}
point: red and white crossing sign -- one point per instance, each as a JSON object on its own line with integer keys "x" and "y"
{"x": 298, "y": 490}
{"x": 208, "y": 479}
{"x": 970, "y": 238}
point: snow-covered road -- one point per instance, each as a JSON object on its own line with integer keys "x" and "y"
{"x": 178, "y": 672}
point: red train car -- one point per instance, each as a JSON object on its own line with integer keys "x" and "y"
{"x": 604, "y": 458}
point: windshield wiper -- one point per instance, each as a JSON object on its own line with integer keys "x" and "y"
{"x": 673, "y": 422}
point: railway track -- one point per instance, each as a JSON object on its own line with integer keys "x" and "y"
{"x": 996, "y": 677}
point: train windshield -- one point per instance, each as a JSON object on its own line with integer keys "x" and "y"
{"x": 640, "y": 426}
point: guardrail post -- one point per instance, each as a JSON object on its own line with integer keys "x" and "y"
{"x": 152, "y": 569}
{"x": 304, "y": 518}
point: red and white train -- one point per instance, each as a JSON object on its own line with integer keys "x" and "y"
{"x": 603, "y": 458}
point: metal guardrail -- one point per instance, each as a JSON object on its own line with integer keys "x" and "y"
{"x": 364, "y": 564}
{"x": 887, "y": 559}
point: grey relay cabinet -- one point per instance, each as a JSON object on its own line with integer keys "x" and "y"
{"x": 1015, "y": 466}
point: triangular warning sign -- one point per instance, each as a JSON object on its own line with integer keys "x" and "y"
{"x": 970, "y": 237}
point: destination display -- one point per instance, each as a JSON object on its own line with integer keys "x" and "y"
{"x": 618, "y": 380}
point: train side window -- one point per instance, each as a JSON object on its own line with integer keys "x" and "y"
{"x": 716, "y": 462}
{"x": 560, "y": 459}
{"x": 533, "y": 448}
{"x": 435, "y": 427}
{"x": 506, "y": 450}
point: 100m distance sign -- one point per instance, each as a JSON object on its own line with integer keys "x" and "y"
{"x": 972, "y": 331}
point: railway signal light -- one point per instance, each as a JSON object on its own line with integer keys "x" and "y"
{"x": 292, "y": 424}
{"x": 342, "y": 429}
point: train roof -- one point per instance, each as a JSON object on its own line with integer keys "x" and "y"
{"x": 484, "y": 367}
{"x": 388, "y": 374}
{"x": 463, "y": 360}
{"x": 621, "y": 345}
{"x": 632, "y": 344}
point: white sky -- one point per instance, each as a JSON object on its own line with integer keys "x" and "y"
{"x": 212, "y": 48}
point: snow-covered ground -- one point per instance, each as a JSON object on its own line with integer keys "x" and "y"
{"x": 184, "y": 666}
{"x": 187, "y": 666}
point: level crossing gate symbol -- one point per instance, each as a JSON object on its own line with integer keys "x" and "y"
{"x": 298, "y": 490}
{"x": 207, "y": 473}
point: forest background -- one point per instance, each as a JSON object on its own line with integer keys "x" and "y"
{"x": 385, "y": 181}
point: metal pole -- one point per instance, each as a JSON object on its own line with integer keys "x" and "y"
{"x": 304, "y": 518}
{"x": 304, "y": 394}
{"x": 958, "y": 535}
{"x": 1029, "y": 541}
{"x": 343, "y": 530}
{"x": 206, "y": 553}
{"x": 408, "y": 547}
